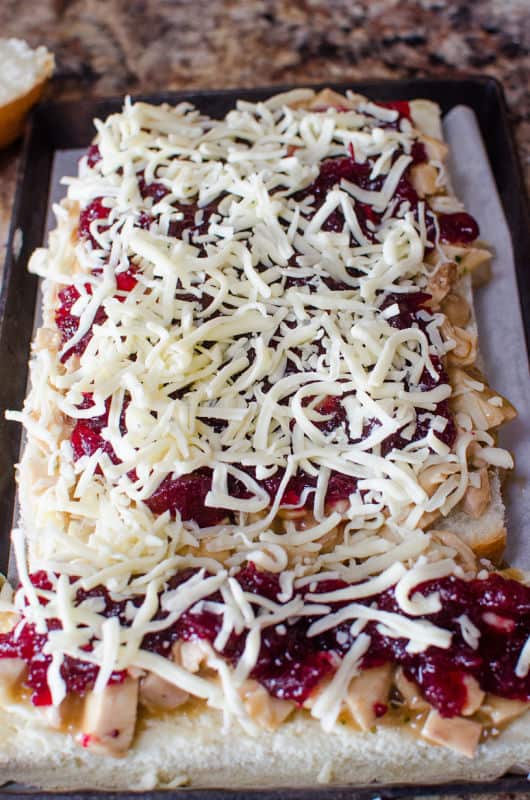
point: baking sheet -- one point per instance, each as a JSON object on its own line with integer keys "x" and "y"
{"x": 58, "y": 125}
{"x": 501, "y": 331}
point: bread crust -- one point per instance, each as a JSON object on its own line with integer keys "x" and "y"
{"x": 175, "y": 750}
{"x": 486, "y": 536}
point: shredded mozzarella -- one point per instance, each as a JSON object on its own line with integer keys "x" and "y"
{"x": 223, "y": 353}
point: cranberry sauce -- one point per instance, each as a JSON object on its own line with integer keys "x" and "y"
{"x": 68, "y": 323}
{"x": 332, "y": 171}
{"x": 459, "y": 228}
{"x": 408, "y": 304}
{"x": 339, "y": 488}
{"x": 86, "y": 437}
{"x": 418, "y": 153}
{"x": 500, "y": 610}
{"x": 401, "y": 106}
{"x": 126, "y": 280}
{"x": 27, "y": 644}
{"x": 155, "y": 190}
{"x": 94, "y": 211}
{"x": 93, "y": 156}
{"x": 187, "y": 494}
{"x": 291, "y": 664}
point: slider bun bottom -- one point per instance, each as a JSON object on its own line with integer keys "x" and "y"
{"x": 191, "y": 748}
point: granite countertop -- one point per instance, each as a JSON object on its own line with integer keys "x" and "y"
{"x": 109, "y": 47}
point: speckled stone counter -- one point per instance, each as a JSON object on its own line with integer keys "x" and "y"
{"x": 105, "y": 47}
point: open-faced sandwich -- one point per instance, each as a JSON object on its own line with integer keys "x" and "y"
{"x": 261, "y": 518}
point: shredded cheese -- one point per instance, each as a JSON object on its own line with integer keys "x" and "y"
{"x": 222, "y": 353}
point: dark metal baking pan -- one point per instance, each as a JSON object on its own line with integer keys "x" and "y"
{"x": 510, "y": 784}
{"x": 61, "y": 126}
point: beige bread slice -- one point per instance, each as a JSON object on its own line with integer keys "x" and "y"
{"x": 162, "y": 755}
{"x": 192, "y": 748}
{"x": 486, "y": 536}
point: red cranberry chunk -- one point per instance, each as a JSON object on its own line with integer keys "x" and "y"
{"x": 126, "y": 281}
{"x": 187, "y": 223}
{"x": 198, "y": 625}
{"x": 68, "y": 323}
{"x": 36, "y": 680}
{"x": 155, "y": 190}
{"x": 144, "y": 220}
{"x": 187, "y": 495}
{"x": 289, "y": 666}
{"x": 418, "y": 153}
{"x": 332, "y": 408}
{"x": 85, "y": 440}
{"x": 406, "y": 192}
{"x": 93, "y": 156}
{"x": 41, "y": 580}
{"x": 86, "y": 437}
{"x": 502, "y": 596}
{"x": 340, "y": 487}
{"x": 94, "y": 211}
{"x": 79, "y": 676}
{"x": 257, "y": 581}
{"x": 401, "y": 106}
{"x": 458, "y": 228}
{"x": 292, "y": 492}
{"x": 443, "y": 687}
{"x": 380, "y": 709}
{"x": 26, "y": 645}
{"x": 409, "y": 304}
{"x": 332, "y": 171}
{"x": 448, "y": 435}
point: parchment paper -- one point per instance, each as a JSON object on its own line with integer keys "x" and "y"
{"x": 501, "y": 332}
{"x": 502, "y": 341}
